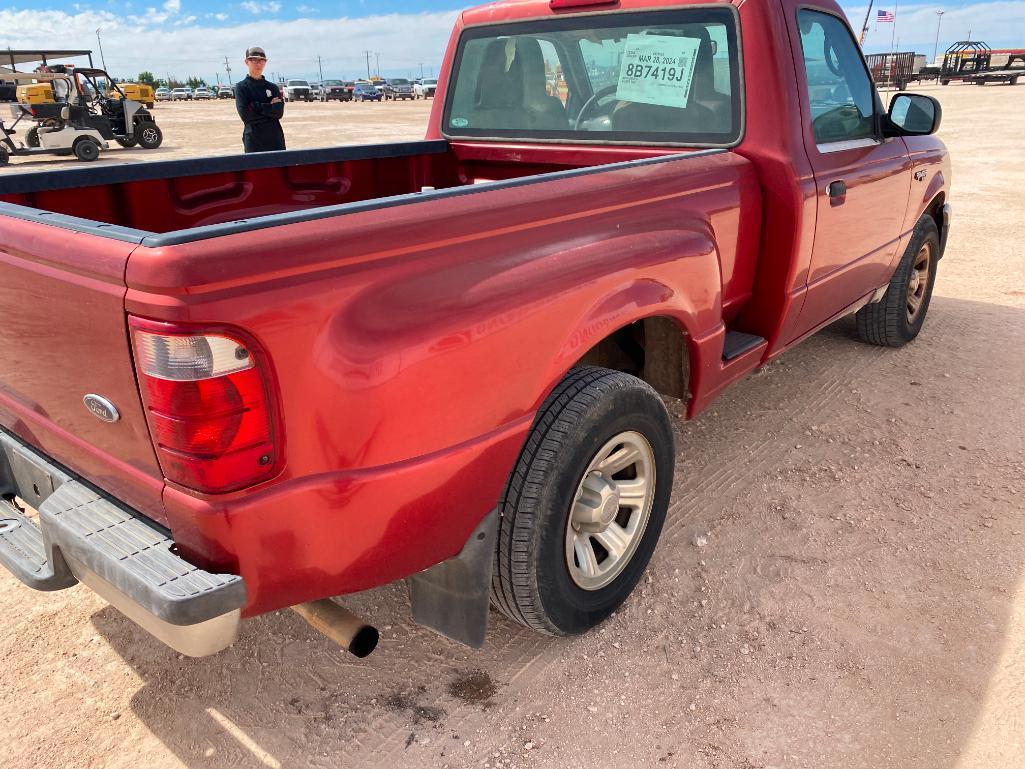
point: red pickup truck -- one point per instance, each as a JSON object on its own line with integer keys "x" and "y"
{"x": 252, "y": 382}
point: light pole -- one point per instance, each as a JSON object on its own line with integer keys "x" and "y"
{"x": 936, "y": 45}
{"x": 100, "y": 43}
{"x": 368, "y": 63}
{"x": 377, "y": 58}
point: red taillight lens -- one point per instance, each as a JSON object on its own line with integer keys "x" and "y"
{"x": 208, "y": 404}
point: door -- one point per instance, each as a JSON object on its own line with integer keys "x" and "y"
{"x": 862, "y": 180}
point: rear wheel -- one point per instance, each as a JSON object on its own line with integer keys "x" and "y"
{"x": 898, "y": 317}
{"x": 149, "y": 136}
{"x": 4, "y": 156}
{"x": 86, "y": 149}
{"x": 32, "y": 137}
{"x": 125, "y": 142}
{"x": 585, "y": 504}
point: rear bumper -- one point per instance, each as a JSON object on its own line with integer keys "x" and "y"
{"x": 84, "y": 536}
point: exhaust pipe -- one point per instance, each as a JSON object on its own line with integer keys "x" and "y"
{"x": 340, "y": 625}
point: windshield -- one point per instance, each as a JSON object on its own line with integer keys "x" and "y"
{"x": 332, "y": 82}
{"x": 669, "y": 77}
{"x": 299, "y": 83}
{"x": 399, "y": 81}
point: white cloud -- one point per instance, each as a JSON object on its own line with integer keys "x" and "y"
{"x": 221, "y": 16}
{"x": 173, "y": 6}
{"x": 305, "y": 9}
{"x": 255, "y": 7}
{"x": 133, "y": 44}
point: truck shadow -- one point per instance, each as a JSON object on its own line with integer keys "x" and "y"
{"x": 847, "y": 603}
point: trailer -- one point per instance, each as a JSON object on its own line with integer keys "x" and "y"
{"x": 1009, "y": 76}
{"x": 892, "y": 70}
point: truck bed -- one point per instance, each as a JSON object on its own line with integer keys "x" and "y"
{"x": 215, "y": 196}
{"x": 360, "y": 290}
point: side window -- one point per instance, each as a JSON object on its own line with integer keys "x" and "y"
{"x": 839, "y": 89}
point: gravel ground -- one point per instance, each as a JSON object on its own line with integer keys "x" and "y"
{"x": 839, "y": 583}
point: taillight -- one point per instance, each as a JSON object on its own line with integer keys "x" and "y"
{"x": 208, "y": 400}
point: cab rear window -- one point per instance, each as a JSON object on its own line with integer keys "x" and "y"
{"x": 663, "y": 77}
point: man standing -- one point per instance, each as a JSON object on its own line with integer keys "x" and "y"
{"x": 260, "y": 106}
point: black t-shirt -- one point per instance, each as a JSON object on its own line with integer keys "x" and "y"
{"x": 252, "y": 99}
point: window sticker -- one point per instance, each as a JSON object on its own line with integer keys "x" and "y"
{"x": 657, "y": 69}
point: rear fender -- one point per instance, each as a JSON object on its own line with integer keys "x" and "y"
{"x": 687, "y": 291}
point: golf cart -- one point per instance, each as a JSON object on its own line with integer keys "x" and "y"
{"x": 87, "y": 109}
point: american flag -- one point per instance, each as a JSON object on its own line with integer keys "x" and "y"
{"x": 885, "y": 16}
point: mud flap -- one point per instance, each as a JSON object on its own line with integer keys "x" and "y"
{"x": 453, "y": 597}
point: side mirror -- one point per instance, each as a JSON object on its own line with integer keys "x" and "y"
{"x": 65, "y": 112}
{"x": 913, "y": 114}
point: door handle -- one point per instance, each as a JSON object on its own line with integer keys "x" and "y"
{"x": 837, "y": 189}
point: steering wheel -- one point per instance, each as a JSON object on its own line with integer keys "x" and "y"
{"x": 590, "y": 104}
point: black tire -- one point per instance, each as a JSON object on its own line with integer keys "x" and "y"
{"x": 149, "y": 135}
{"x": 887, "y": 322}
{"x": 4, "y": 156}
{"x": 125, "y": 142}
{"x": 86, "y": 149}
{"x": 531, "y": 582}
{"x": 32, "y": 137}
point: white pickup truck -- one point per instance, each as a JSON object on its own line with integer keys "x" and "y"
{"x": 298, "y": 90}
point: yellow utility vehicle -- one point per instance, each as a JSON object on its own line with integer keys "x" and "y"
{"x": 140, "y": 92}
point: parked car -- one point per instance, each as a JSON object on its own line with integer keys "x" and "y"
{"x": 181, "y": 94}
{"x": 316, "y": 89}
{"x": 447, "y": 368}
{"x": 298, "y": 90}
{"x": 425, "y": 88}
{"x": 398, "y": 88}
{"x": 336, "y": 90}
{"x": 202, "y": 94}
{"x": 225, "y": 92}
{"x": 163, "y": 94}
{"x": 366, "y": 92}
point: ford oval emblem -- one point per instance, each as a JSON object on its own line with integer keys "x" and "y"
{"x": 101, "y": 408}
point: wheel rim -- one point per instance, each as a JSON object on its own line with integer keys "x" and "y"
{"x": 918, "y": 282}
{"x": 149, "y": 136}
{"x": 610, "y": 511}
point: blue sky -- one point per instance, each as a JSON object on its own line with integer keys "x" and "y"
{"x": 192, "y": 37}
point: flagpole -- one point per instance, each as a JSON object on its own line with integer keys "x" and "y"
{"x": 893, "y": 35}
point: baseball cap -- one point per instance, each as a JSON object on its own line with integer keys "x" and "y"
{"x": 255, "y": 53}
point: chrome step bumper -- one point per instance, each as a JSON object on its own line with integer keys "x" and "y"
{"x": 85, "y": 536}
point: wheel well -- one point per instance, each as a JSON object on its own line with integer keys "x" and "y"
{"x": 652, "y": 349}
{"x": 935, "y": 210}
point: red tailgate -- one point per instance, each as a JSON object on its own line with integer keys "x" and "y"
{"x": 62, "y": 336}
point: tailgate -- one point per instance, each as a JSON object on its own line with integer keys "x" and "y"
{"x": 63, "y": 336}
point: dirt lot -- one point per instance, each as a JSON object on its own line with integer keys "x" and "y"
{"x": 858, "y": 600}
{"x": 202, "y": 128}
